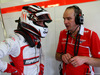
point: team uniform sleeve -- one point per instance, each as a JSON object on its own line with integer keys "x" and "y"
{"x": 59, "y": 47}
{"x": 6, "y": 48}
{"x": 95, "y": 45}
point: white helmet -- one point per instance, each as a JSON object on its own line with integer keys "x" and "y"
{"x": 30, "y": 17}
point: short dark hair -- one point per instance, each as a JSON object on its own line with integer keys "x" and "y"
{"x": 77, "y": 10}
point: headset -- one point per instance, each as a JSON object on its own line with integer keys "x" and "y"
{"x": 78, "y": 15}
{"x": 79, "y": 21}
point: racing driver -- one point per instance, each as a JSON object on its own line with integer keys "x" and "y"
{"x": 24, "y": 47}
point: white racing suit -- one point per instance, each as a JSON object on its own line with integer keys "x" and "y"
{"x": 25, "y": 59}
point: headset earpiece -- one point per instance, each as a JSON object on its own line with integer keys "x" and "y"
{"x": 79, "y": 16}
{"x": 79, "y": 19}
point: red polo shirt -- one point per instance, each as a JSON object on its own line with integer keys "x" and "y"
{"x": 89, "y": 46}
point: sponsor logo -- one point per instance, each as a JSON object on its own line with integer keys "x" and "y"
{"x": 31, "y": 61}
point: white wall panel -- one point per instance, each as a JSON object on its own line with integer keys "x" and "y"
{"x": 49, "y": 47}
{"x": 9, "y": 21}
{"x": 1, "y": 31}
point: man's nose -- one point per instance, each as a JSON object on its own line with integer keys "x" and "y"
{"x": 65, "y": 21}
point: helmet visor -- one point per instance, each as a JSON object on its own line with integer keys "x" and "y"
{"x": 44, "y": 17}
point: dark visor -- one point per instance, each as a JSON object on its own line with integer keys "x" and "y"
{"x": 44, "y": 17}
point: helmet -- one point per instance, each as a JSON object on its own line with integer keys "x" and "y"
{"x": 32, "y": 16}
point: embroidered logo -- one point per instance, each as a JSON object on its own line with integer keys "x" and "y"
{"x": 81, "y": 41}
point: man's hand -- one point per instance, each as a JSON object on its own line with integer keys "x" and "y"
{"x": 78, "y": 60}
{"x": 66, "y": 58}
